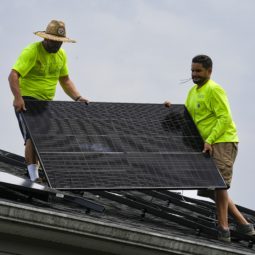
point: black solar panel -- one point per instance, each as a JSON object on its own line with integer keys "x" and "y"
{"x": 119, "y": 146}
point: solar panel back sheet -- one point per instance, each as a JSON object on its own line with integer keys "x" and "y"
{"x": 112, "y": 146}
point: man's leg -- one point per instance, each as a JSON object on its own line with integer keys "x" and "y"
{"x": 224, "y": 155}
{"x": 30, "y": 153}
{"x": 31, "y": 160}
{"x": 243, "y": 226}
{"x": 232, "y": 209}
{"x": 221, "y": 200}
{"x": 236, "y": 213}
{"x": 224, "y": 204}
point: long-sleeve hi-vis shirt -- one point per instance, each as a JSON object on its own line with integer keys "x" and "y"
{"x": 209, "y": 109}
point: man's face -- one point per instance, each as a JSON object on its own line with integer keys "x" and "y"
{"x": 199, "y": 74}
{"x": 52, "y": 46}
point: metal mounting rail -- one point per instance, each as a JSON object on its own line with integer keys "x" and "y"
{"x": 209, "y": 222}
{"x": 151, "y": 209}
{"x": 174, "y": 199}
{"x": 205, "y": 204}
{"x": 199, "y": 225}
{"x": 177, "y": 201}
{"x": 38, "y": 191}
{"x": 12, "y": 159}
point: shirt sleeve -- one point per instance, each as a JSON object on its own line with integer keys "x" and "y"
{"x": 220, "y": 107}
{"x": 187, "y": 100}
{"x": 25, "y": 61}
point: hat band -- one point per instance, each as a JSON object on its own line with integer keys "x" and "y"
{"x": 59, "y": 32}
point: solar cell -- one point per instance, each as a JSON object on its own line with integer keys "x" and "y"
{"x": 113, "y": 146}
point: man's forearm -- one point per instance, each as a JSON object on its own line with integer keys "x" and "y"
{"x": 69, "y": 87}
{"x": 14, "y": 84}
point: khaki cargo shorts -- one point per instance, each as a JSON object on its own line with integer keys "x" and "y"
{"x": 224, "y": 155}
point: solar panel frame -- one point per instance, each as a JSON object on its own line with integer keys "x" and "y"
{"x": 116, "y": 146}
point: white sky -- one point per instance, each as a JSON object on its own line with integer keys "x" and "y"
{"x": 138, "y": 51}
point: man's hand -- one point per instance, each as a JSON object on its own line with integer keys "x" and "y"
{"x": 167, "y": 104}
{"x": 82, "y": 99}
{"x": 19, "y": 104}
{"x": 207, "y": 148}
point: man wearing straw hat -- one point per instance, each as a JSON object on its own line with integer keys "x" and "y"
{"x": 38, "y": 69}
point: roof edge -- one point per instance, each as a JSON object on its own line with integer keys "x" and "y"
{"x": 84, "y": 232}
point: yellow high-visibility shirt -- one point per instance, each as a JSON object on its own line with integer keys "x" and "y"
{"x": 210, "y": 110}
{"x": 40, "y": 71}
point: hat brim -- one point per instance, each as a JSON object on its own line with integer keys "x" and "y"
{"x": 54, "y": 37}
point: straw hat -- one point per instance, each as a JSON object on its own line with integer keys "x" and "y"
{"x": 55, "y": 31}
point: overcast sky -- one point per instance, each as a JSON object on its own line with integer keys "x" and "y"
{"x": 138, "y": 51}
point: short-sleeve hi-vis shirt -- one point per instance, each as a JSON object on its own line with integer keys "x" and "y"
{"x": 209, "y": 109}
{"x": 40, "y": 71}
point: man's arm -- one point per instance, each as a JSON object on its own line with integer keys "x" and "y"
{"x": 222, "y": 113}
{"x": 18, "y": 101}
{"x": 70, "y": 89}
